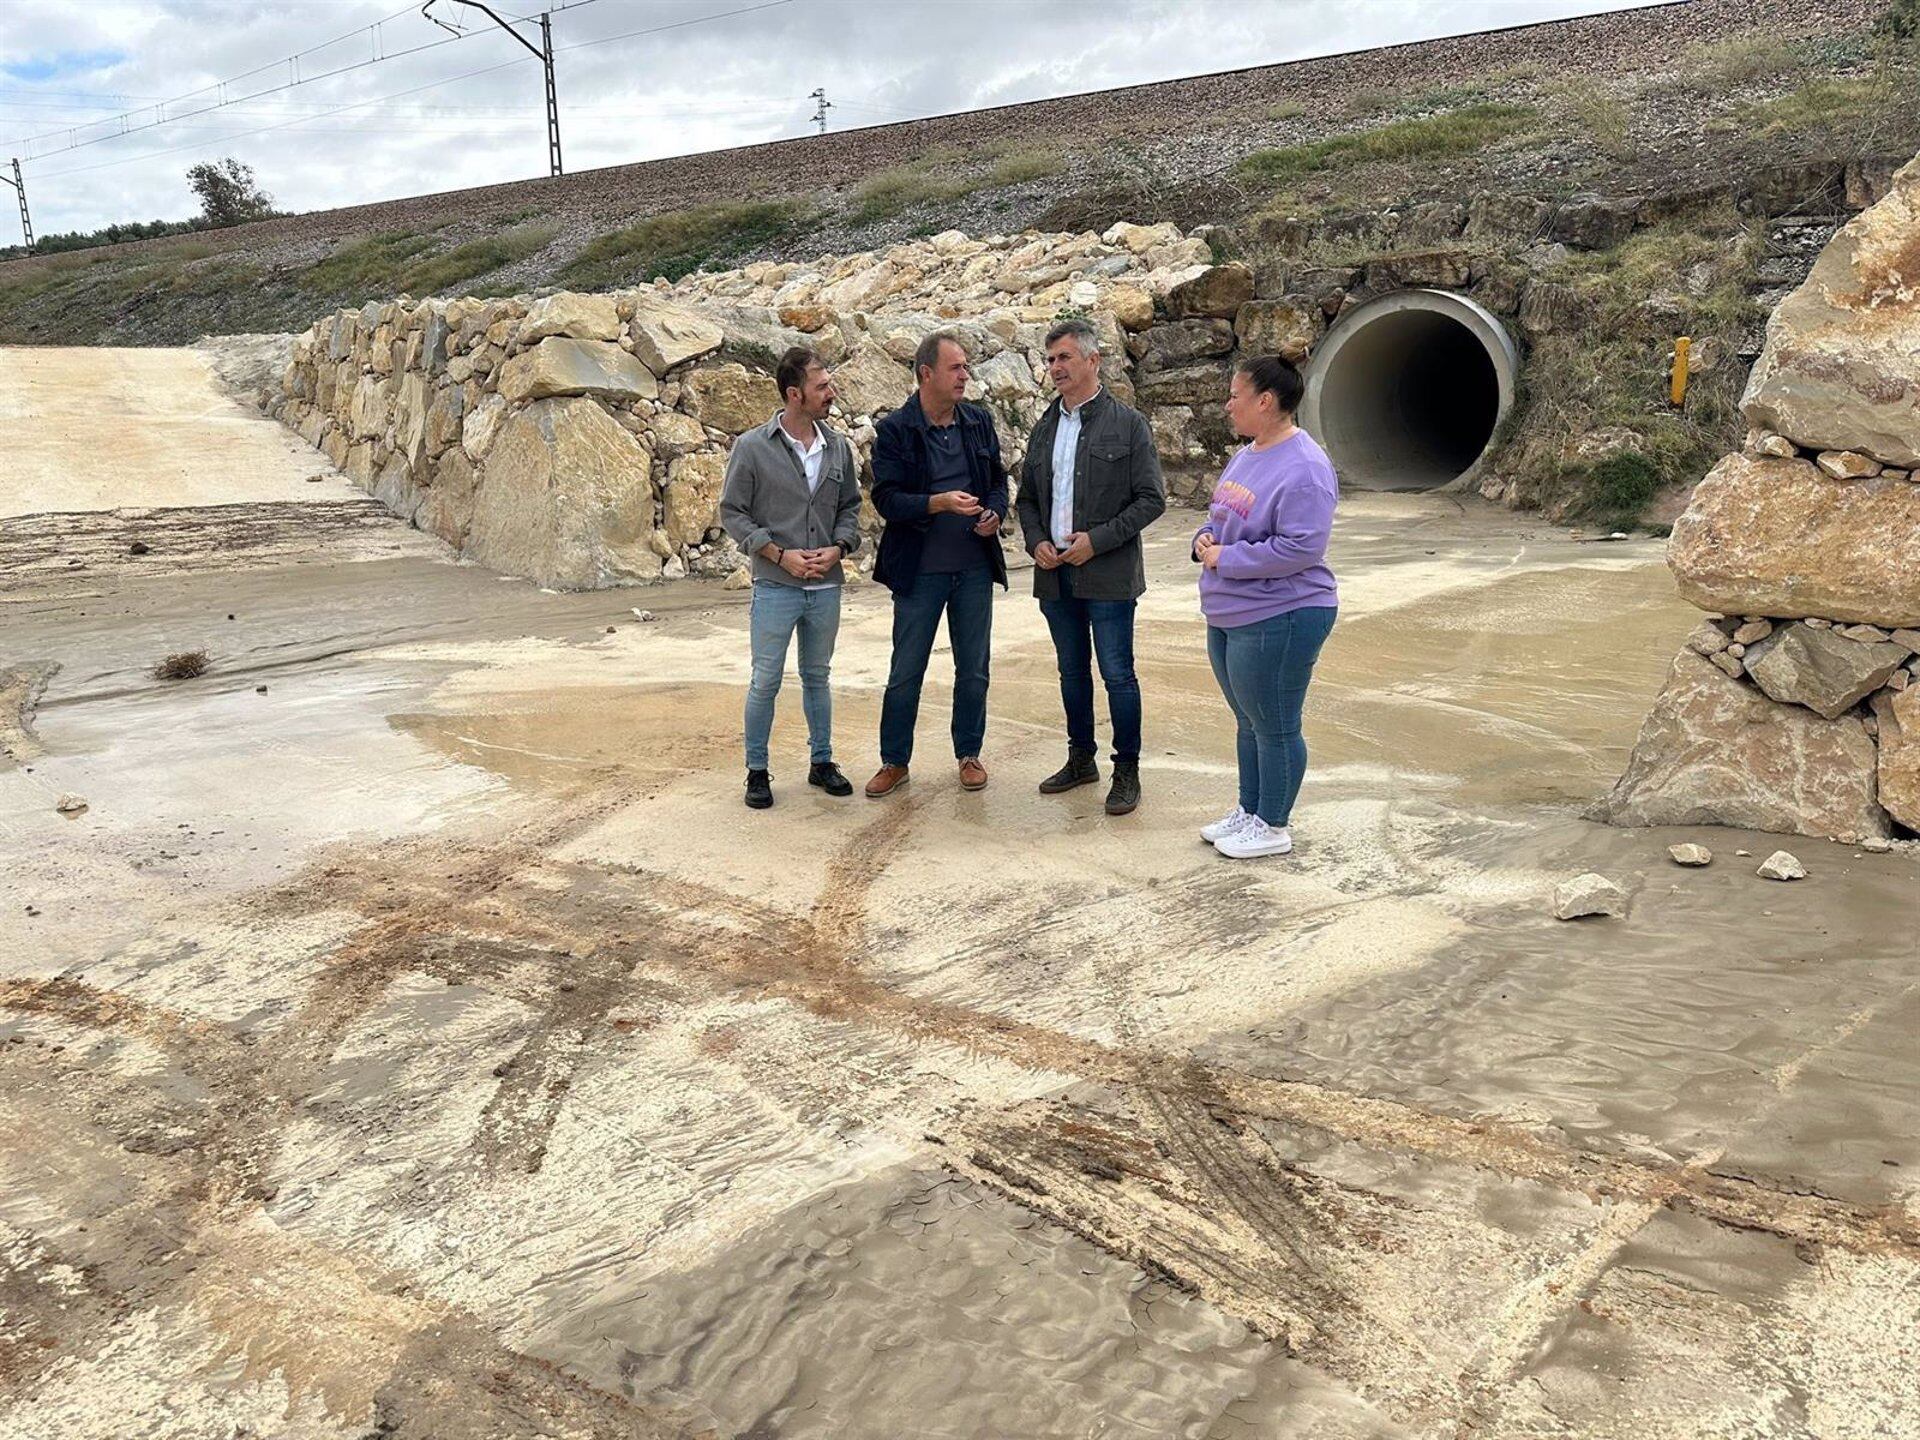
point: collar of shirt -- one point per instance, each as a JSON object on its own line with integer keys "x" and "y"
{"x": 805, "y": 451}
{"x": 1072, "y": 412}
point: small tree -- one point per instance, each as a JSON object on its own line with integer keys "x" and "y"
{"x": 228, "y": 193}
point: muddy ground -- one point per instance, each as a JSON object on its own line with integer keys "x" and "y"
{"x": 415, "y": 1035}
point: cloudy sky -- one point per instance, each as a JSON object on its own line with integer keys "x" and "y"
{"x": 334, "y": 102}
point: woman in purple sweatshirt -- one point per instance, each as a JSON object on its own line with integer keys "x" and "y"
{"x": 1268, "y": 597}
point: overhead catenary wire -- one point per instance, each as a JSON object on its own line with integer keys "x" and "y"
{"x": 348, "y": 108}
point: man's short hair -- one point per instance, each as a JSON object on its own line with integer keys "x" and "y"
{"x": 791, "y": 373}
{"x": 927, "y": 356}
{"x": 1086, "y": 338}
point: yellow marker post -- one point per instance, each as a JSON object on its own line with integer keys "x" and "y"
{"x": 1680, "y": 349}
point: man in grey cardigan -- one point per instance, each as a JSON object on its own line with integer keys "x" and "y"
{"x": 1090, "y": 484}
{"x": 791, "y": 502}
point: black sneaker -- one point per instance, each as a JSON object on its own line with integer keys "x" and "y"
{"x": 1125, "y": 793}
{"x": 1079, "y": 770}
{"x": 829, "y": 779}
{"x": 759, "y": 790}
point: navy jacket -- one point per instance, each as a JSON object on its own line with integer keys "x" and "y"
{"x": 901, "y": 488}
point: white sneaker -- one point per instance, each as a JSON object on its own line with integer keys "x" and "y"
{"x": 1225, "y": 825}
{"x": 1255, "y": 838}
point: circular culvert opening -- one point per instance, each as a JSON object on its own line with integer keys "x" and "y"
{"x": 1406, "y": 391}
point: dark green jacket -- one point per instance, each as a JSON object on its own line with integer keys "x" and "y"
{"x": 1117, "y": 493}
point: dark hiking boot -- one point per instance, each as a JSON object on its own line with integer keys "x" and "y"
{"x": 829, "y": 779}
{"x": 1125, "y": 792}
{"x": 1079, "y": 770}
{"x": 759, "y": 790}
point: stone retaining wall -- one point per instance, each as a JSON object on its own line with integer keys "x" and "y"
{"x": 1796, "y": 705}
{"x": 581, "y": 439}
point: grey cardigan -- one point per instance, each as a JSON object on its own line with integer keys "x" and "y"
{"x": 765, "y": 499}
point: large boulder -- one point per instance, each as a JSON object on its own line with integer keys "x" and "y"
{"x": 1715, "y": 751}
{"x": 691, "y": 504}
{"x": 559, "y": 366}
{"x": 566, "y": 500}
{"x": 576, "y": 316}
{"x": 666, "y": 335}
{"x": 1899, "y": 717}
{"x": 1841, "y": 366}
{"x": 1766, "y": 536}
{"x": 729, "y": 397}
{"x": 1821, "y": 669}
{"x": 870, "y": 381}
{"x": 1217, "y": 292}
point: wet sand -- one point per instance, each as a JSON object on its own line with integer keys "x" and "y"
{"x": 434, "y": 1045}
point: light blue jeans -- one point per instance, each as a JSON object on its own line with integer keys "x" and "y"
{"x": 778, "y": 611}
{"x": 1263, "y": 670}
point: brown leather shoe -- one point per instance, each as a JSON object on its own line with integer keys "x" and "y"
{"x": 973, "y": 775}
{"x": 886, "y": 780}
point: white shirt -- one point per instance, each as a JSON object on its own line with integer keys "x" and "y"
{"x": 810, "y": 459}
{"x": 1066, "y": 451}
{"x": 810, "y": 455}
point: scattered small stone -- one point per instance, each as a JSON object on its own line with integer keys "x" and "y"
{"x": 1865, "y": 634}
{"x": 1743, "y": 852}
{"x": 1689, "y": 854}
{"x": 1753, "y": 631}
{"x": 1876, "y": 845}
{"x": 1889, "y": 473}
{"x": 70, "y": 805}
{"x": 1781, "y": 866}
{"x": 609, "y": 629}
{"x": 1728, "y": 663}
{"x": 1899, "y": 681}
{"x": 259, "y": 689}
{"x": 138, "y": 547}
{"x": 1814, "y": 622}
{"x": 1777, "y": 446}
{"x": 230, "y": 617}
{"x": 1908, "y": 638}
{"x": 1588, "y": 894}
{"x": 1737, "y": 650}
{"x": 643, "y": 616}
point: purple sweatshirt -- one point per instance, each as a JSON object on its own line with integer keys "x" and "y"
{"x": 1272, "y": 512}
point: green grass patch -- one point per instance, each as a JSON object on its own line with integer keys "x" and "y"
{"x": 430, "y": 274}
{"x": 942, "y": 174}
{"x": 679, "y": 242}
{"x": 1457, "y": 132}
{"x": 1620, "y": 487}
{"x": 1595, "y": 112}
{"x": 1829, "y": 102}
{"x": 367, "y": 267}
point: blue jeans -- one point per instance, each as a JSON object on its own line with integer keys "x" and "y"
{"x": 779, "y": 610}
{"x": 1081, "y": 630}
{"x": 966, "y": 598}
{"x": 1263, "y": 670}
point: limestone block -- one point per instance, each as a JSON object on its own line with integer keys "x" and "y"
{"x": 477, "y": 430}
{"x": 1715, "y": 751}
{"x": 1140, "y": 238}
{"x": 870, "y": 381}
{"x": 1847, "y": 464}
{"x": 560, "y": 366}
{"x": 1764, "y": 536}
{"x": 1820, "y": 669}
{"x": 569, "y": 314}
{"x": 1588, "y": 894}
{"x": 1130, "y": 306}
{"x": 1431, "y": 269}
{"x": 675, "y": 434}
{"x": 1007, "y": 376}
{"x": 665, "y": 334}
{"x": 1841, "y": 365}
{"x": 1899, "y": 717}
{"x": 445, "y": 417}
{"x": 1181, "y": 342}
{"x": 566, "y": 499}
{"x": 1217, "y": 292}
{"x": 729, "y": 397}
{"x": 691, "y": 504}
{"x": 1286, "y": 328}
{"x": 447, "y": 508}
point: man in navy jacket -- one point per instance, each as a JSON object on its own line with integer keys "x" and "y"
{"x": 939, "y": 484}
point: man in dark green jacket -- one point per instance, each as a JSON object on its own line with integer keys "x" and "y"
{"x": 1091, "y": 483}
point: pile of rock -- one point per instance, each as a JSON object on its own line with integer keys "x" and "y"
{"x": 581, "y": 439}
{"x": 1796, "y": 706}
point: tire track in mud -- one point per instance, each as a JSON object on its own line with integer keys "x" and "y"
{"x": 1168, "y": 1163}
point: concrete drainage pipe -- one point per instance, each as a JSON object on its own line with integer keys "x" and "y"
{"x": 1406, "y": 391}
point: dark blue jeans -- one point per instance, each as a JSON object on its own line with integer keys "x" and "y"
{"x": 1263, "y": 670}
{"x": 1081, "y": 630}
{"x": 966, "y": 599}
